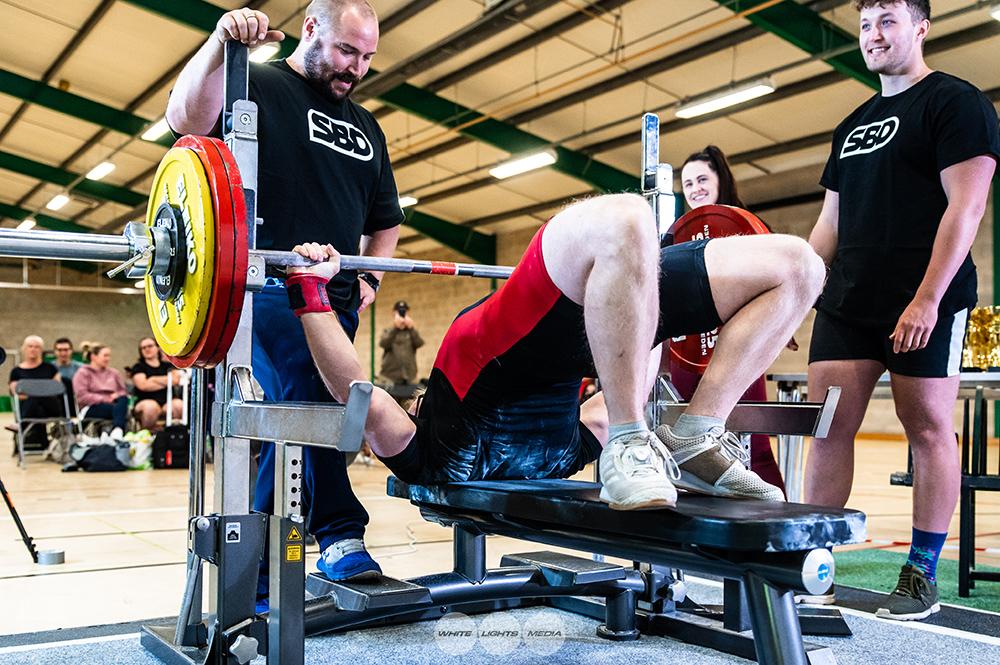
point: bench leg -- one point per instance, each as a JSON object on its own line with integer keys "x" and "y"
{"x": 965, "y": 540}
{"x": 619, "y": 618}
{"x": 776, "y": 633}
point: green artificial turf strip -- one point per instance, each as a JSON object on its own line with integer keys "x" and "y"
{"x": 877, "y": 570}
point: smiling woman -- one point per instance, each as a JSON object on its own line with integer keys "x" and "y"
{"x": 706, "y": 179}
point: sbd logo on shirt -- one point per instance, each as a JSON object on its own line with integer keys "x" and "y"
{"x": 869, "y": 138}
{"x": 342, "y": 136}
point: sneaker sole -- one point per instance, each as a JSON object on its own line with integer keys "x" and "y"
{"x": 652, "y": 504}
{"x": 364, "y": 576}
{"x": 640, "y": 502}
{"x": 883, "y": 613}
{"x": 693, "y": 483}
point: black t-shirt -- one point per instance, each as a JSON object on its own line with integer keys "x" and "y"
{"x": 142, "y": 367}
{"x": 886, "y": 165}
{"x": 43, "y": 371}
{"x": 323, "y": 171}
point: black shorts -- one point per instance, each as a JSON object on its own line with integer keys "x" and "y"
{"x": 686, "y": 305}
{"x": 503, "y": 398}
{"x": 836, "y": 339}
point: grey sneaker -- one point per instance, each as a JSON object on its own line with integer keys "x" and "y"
{"x": 915, "y": 597}
{"x": 715, "y": 463}
{"x": 635, "y": 473}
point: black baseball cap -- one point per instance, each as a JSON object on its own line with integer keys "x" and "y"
{"x": 401, "y": 305}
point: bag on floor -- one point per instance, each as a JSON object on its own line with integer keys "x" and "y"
{"x": 99, "y": 457}
{"x": 171, "y": 448}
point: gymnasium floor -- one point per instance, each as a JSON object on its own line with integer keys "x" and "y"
{"x": 123, "y": 534}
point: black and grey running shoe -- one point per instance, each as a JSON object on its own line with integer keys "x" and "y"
{"x": 915, "y": 597}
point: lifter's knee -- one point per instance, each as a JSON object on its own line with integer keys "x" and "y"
{"x": 624, "y": 227}
{"x": 803, "y": 268}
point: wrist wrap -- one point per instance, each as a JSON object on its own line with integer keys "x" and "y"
{"x": 307, "y": 293}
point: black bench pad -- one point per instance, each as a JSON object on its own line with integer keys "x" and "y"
{"x": 710, "y": 522}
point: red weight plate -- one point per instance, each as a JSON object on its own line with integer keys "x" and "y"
{"x": 693, "y": 352}
{"x": 215, "y": 350}
{"x": 715, "y": 221}
{"x": 224, "y": 274}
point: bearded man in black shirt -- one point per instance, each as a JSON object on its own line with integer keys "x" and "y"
{"x": 324, "y": 175}
{"x": 906, "y": 183}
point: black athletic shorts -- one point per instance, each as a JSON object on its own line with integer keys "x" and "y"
{"x": 503, "y": 396}
{"x": 834, "y": 338}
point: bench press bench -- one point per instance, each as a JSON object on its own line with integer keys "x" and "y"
{"x": 773, "y": 549}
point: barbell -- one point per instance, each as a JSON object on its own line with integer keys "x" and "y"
{"x": 193, "y": 254}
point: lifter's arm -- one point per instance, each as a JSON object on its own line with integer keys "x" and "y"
{"x": 967, "y": 186}
{"x": 388, "y": 428}
{"x": 197, "y": 97}
{"x": 824, "y": 235}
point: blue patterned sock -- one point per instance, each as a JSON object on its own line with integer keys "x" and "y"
{"x": 925, "y": 548}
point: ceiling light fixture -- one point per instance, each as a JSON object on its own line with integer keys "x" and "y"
{"x": 156, "y": 130}
{"x": 58, "y": 201}
{"x": 99, "y": 171}
{"x": 264, "y": 53}
{"x": 725, "y": 97}
{"x": 407, "y": 201}
{"x": 520, "y": 165}
{"x": 26, "y": 225}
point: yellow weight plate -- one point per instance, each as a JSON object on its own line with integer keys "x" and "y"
{"x": 181, "y": 181}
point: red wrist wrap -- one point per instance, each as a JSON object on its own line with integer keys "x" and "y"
{"x": 307, "y": 293}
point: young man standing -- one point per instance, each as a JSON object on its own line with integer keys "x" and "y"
{"x": 906, "y": 182}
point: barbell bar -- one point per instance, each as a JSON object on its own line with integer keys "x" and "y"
{"x": 118, "y": 249}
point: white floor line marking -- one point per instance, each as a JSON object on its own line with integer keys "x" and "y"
{"x": 912, "y": 625}
{"x": 926, "y": 627}
{"x": 97, "y": 513}
{"x": 63, "y": 643}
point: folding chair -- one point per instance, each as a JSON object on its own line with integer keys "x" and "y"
{"x": 38, "y": 388}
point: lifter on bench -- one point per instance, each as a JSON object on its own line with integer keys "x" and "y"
{"x": 502, "y": 398}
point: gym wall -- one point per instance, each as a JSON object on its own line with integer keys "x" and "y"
{"x": 106, "y": 316}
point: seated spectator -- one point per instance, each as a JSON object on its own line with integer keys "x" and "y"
{"x": 100, "y": 390}
{"x": 67, "y": 367}
{"x": 150, "y": 374}
{"x": 33, "y": 367}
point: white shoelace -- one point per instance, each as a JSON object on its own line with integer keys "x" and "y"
{"x": 730, "y": 445}
{"x": 643, "y": 467}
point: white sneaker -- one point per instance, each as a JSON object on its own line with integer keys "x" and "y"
{"x": 715, "y": 463}
{"x": 634, "y": 473}
{"x": 117, "y": 434}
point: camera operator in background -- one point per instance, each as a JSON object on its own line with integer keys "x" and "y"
{"x": 400, "y": 344}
